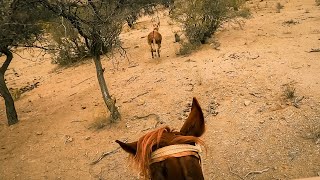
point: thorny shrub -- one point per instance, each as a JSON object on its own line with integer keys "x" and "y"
{"x": 200, "y": 19}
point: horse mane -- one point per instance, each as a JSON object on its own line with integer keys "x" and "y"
{"x": 162, "y": 135}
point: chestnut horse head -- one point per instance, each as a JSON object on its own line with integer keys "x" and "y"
{"x": 166, "y": 154}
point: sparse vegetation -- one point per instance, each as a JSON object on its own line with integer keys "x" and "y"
{"x": 100, "y": 122}
{"x": 69, "y": 46}
{"x": 290, "y": 96}
{"x": 200, "y": 19}
{"x": 313, "y": 130}
{"x": 176, "y": 37}
{"x": 15, "y": 93}
{"x": 21, "y": 26}
{"x": 290, "y": 22}
{"x": 279, "y": 6}
{"x": 244, "y": 13}
{"x": 187, "y": 48}
{"x": 289, "y": 92}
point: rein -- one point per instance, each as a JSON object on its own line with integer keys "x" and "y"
{"x": 177, "y": 150}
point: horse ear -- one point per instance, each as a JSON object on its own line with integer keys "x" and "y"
{"x": 128, "y": 147}
{"x": 194, "y": 125}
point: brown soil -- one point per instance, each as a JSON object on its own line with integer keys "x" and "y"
{"x": 251, "y": 125}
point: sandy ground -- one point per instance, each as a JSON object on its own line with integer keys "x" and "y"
{"x": 250, "y": 125}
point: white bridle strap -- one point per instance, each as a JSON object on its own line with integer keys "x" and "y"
{"x": 178, "y": 150}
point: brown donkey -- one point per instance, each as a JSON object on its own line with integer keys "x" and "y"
{"x": 154, "y": 38}
{"x": 165, "y": 154}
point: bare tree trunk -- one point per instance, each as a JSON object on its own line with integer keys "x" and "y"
{"x": 10, "y": 108}
{"x": 111, "y": 103}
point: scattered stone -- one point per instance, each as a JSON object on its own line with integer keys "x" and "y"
{"x": 83, "y": 107}
{"x": 262, "y": 121}
{"x": 87, "y": 138}
{"x": 247, "y": 102}
{"x": 68, "y": 139}
{"x": 38, "y": 133}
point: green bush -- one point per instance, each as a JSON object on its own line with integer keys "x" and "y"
{"x": 200, "y": 19}
{"x": 187, "y": 48}
{"x": 69, "y": 47}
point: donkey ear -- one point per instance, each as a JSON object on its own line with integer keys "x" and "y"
{"x": 128, "y": 147}
{"x": 194, "y": 125}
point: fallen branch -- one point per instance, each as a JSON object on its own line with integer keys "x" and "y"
{"x": 133, "y": 65}
{"x": 104, "y": 154}
{"x": 314, "y": 50}
{"x": 82, "y": 82}
{"x": 130, "y": 100}
{"x": 257, "y": 172}
{"x": 146, "y": 116}
{"x": 78, "y": 121}
{"x": 132, "y": 79}
{"x": 155, "y": 126}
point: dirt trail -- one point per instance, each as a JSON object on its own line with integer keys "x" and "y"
{"x": 255, "y": 129}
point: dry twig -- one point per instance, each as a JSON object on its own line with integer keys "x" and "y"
{"x": 82, "y": 81}
{"x": 104, "y": 154}
{"x": 314, "y": 50}
{"x": 257, "y": 172}
{"x": 131, "y": 99}
{"x": 235, "y": 174}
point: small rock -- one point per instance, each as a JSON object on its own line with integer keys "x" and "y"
{"x": 68, "y": 139}
{"x": 83, "y": 107}
{"x": 87, "y": 138}
{"x": 318, "y": 141}
{"x": 38, "y": 133}
{"x": 247, "y": 102}
{"x": 180, "y": 118}
{"x": 262, "y": 121}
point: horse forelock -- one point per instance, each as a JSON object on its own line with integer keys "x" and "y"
{"x": 157, "y": 139}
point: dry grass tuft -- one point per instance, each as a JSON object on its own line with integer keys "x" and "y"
{"x": 289, "y": 92}
{"x": 279, "y": 6}
{"x": 100, "y": 119}
{"x": 100, "y": 122}
{"x": 15, "y": 93}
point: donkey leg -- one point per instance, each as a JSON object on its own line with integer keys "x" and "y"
{"x": 151, "y": 51}
{"x": 159, "y": 46}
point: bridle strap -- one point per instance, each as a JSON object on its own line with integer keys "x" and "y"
{"x": 177, "y": 150}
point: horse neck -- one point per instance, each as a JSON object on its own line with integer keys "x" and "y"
{"x": 177, "y": 168}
